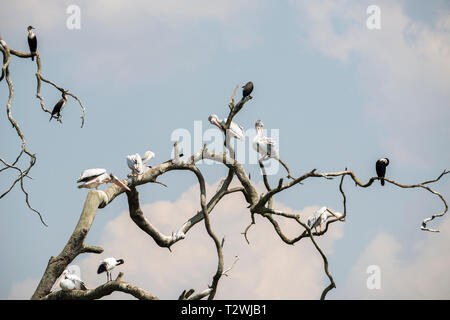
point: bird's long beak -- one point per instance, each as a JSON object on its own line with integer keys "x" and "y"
{"x": 335, "y": 214}
{"x": 217, "y": 123}
{"x": 119, "y": 183}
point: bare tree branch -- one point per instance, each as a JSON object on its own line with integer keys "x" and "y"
{"x": 7, "y": 52}
{"x": 257, "y": 204}
{"x": 101, "y": 291}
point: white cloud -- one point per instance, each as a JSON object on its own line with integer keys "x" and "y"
{"x": 423, "y": 274}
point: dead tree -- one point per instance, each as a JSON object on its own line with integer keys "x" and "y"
{"x": 258, "y": 204}
{"x": 25, "y": 152}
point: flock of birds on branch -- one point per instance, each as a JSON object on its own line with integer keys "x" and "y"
{"x": 69, "y": 280}
{"x": 265, "y": 146}
{"x": 92, "y": 178}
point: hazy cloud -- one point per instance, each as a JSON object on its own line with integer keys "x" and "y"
{"x": 403, "y": 68}
{"x": 422, "y": 274}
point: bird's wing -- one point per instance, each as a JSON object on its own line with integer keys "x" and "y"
{"x": 313, "y": 222}
{"x": 270, "y": 141}
{"x": 102, "y": 267}
{"x": 32, "y": 43}
{"x": 79, "y": 284}
{"x": 88, "y": 174}
{"x": 148, "y": 156}
{"x": 237, "y": 130}
{"x": 58, "y": 106}
{"x": 131, "y": 161}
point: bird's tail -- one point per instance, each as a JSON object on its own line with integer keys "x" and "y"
{"x": 32, "y": 58}
{"x": 51, "y": 117}
{"x": 101, "y": 268}
{"x": 382, "y": 182}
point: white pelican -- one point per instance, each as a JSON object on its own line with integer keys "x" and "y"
{"x": 70, "y": 281}
{"x": 92, "y": 178}
{"x": 235, "y": 130}
{"x": 320, "y": 217}
{"x": 137, "y": 164}
{"x": 266, "y": 146}
{"x": 32, "y": 42}
{"x": 107, "y": 265}
{"x": 262, "y": 144}
{"x": 380, "y": 166}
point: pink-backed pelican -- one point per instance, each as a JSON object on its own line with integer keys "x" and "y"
{"x": 70, "y": 281}
{"x": 262, "y": 144}
{"x": 235, "y": 130}
{"x": 92, "y": 178}
{"x": 266, "y": 147}
{"x": 320, "y": 217}
{"x": 107, "y": 265}
{"x": 137, "y": 164}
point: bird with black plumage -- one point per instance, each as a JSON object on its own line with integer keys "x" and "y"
{"x": 32, "y": 42}
{"x": 247, "y": 89}
{"x": 56, "y": 112}
{"x": 107, "y": 265}
{"x": 380, "y": 167}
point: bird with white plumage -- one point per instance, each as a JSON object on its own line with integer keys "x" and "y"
{"x": 70, "y": 281}
{"x": 266, "y": 147}
{"x": 320, "y": 217}
{"x": 137, "y": 164}
{"x": 92, "y": 178}
{"x": 235, "y": 130}
{"x": 107, "y": 265}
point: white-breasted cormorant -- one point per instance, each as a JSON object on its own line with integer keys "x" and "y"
{"x": 381, "y": 168}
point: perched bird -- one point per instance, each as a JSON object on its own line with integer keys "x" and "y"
{"x": 247, "y": 89}
{"x": 263, "y": 145}
{"x": 70, "y": 281}
{"x": 137, "y": 164}
{"x": 266, "y": 146}
{"x": 107, "y": 265}
{"x": 235, "y": 130}
{"x": 32, "y": 42}
{"x": 92, "y": 178}
{"x": 56, "y": 112}
{"x": 380, "y": 166}
{"x": 320, "y": 217}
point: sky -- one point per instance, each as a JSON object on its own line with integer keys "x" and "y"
{"x": 336, "y": 93}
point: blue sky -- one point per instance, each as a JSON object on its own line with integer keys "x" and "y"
{"x": 341, "y": 96}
